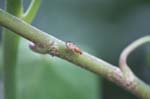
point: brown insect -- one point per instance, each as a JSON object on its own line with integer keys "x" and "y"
{"x": 71, "y": 46}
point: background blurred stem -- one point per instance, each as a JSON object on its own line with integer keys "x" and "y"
{"x": 30, "y": 13}
{"x": 148, "y": 55}
{"x": 10, "y": 49}
{"x": 11, "y": 42}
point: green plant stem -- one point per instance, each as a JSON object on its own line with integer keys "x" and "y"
{"x": 32, "y": 10}
{"x": 148, "y": 55}
{"x": 125, "y": 53}
{"x": 10, "y": 49}
{"x": 130, "y": 48}
{"x": 56, "y": 47}
{"x": 127, "y": 72}
{"x": 11, "y": 42}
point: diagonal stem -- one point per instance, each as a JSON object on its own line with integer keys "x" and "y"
{"x": 56, "y": 47}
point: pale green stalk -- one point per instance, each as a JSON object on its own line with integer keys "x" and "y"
{"x": 48, "y": 44}
{"x": 11, "y": 42}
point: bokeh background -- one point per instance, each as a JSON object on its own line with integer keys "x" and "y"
{"x": 101, "y": 27}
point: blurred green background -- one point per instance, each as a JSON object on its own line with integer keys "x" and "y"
{"x": 101, "y": 27}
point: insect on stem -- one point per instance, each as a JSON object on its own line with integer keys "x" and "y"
{"x": 73, "y": 47}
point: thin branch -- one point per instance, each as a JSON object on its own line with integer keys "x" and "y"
{"x": 128, "y": 74}
{"x": 48, "y": 44}
{"x": 130, "y": 48}
{"x": 31, "y": 12}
